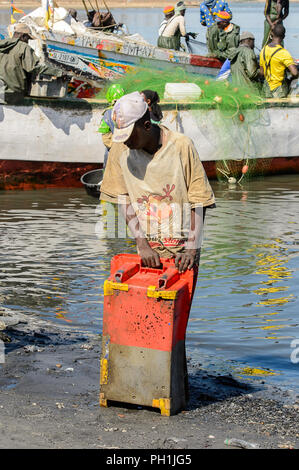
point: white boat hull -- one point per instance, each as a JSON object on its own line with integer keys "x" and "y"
{"x": 64, "y": 132}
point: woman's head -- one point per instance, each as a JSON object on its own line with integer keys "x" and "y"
{"x": 152, "y": 99}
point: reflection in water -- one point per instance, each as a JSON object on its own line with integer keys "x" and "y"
{"x": 250, "y": 259}
{"x": 245, "y": 306}
{"x": 274, "y": 267}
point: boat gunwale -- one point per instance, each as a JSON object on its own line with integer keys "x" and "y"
{"x": 94, "y": 103}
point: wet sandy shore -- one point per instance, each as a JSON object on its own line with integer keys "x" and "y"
{"x": 49, "y": 386}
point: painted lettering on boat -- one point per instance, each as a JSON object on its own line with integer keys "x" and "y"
{"x": 137, "y": 50}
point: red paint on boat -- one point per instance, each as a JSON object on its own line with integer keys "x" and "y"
{"x": 202, "y": 61}
{"x": 285, "y": 165}
{"x": 28, "y": 175}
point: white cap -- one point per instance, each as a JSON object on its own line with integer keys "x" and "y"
{"x": 126, "y": 111}
{"x": 246, "y": 35}
{"x": 23, "y": 28}
{"x": 180, "y": 6}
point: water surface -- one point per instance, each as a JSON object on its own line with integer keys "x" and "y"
{"x": 245, "y": 309}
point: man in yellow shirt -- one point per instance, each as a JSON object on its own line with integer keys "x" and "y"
{"x": 274, "y": 62}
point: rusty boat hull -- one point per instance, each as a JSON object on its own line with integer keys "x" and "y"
{"x": 26, "y": 175}
{"x": 53, "y": 142}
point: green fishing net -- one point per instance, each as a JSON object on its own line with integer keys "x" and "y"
{"x": 232, "y": 97}
{"x": 221, "y": 101}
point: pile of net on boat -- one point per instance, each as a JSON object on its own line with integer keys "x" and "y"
{"x": 237, "y": 113}
{"x": 61, "y": 22}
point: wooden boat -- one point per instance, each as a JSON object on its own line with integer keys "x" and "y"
{"x": 53, "y": 142}
{"x": 96, "y": 56}
{"x": 108, "y": 57}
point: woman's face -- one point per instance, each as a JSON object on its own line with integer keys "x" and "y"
{"x": 146, "y": 100}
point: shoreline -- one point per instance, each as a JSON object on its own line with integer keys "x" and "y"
{"x": 49, "y": 387}
{"x": 4, "y": 4}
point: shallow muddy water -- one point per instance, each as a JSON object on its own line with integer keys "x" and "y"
{"x": 245, "y": 309}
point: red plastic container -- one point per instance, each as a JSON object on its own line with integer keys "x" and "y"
{"x": 144, "y": 325}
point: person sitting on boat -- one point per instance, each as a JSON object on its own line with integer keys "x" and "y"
{"x": 89, "y": 22}
{"x": 208, "y": 8}
{"x": 245, "y": 69}
{"x": 106, "y": 128}
{"x": 19, "y": 64}
{"x": 275, "y": 12}
{"x": 224, "y": 36}
{"x": 275, "y": 61}
{"x": 73, "y": 14}
{"x": 152, "y": 99}
{"x": 104, "y": 21}
{"x": 174, "y": 29}
{"x": 108, "y": 22}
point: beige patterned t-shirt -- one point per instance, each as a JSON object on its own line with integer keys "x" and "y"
{"x": 162, "y": 187}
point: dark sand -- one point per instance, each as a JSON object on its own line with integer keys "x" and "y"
{"x": 44, "y": 405}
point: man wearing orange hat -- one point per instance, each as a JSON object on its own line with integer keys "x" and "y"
{"x": 208, "y": 8}
{"x": 174, "y": 28}
{"x": 169, "y": 13}
{"x": 224, "y": 36}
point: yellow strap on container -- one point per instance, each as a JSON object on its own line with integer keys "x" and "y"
{"x": 164, "y": 404}
{"x": 109, "y": 286}
{"x": 161, "y": 294}
{"x": 104, "y": 372}
{"x": 103, "y": 400}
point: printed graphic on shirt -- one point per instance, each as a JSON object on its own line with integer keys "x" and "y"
{"x": 157, "y": 211}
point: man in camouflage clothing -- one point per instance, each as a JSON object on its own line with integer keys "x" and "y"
{"x": 244, "y": 65}
{"x": 224, "y": 36}
{"x": 18, "y": 64}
